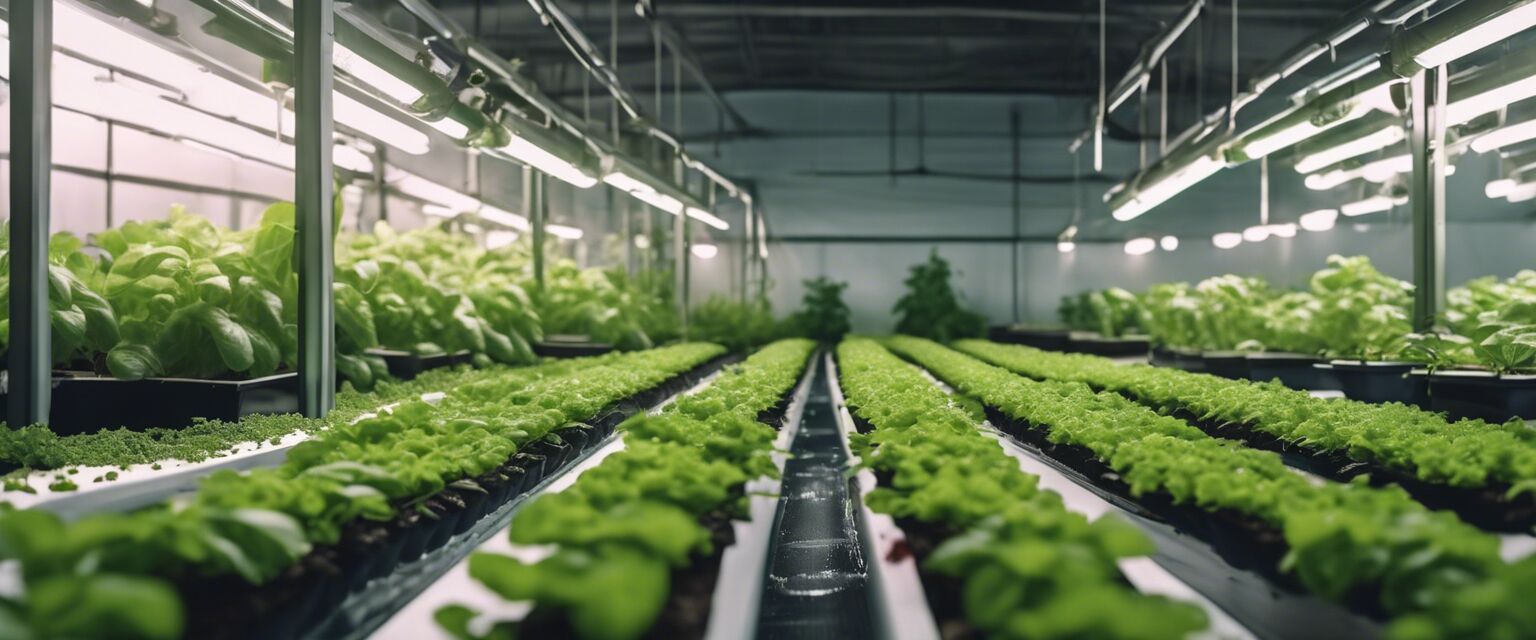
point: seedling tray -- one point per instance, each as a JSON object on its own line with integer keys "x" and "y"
{"x": 1227, "y": 364}
{"x": 570, "y": 347}
{"x": 1294, "y": 370}
{"x": 1480, "y": 394}
{"x": 1047, "y": 339}
{"x": 1095, "y": 344}
{"x": 1378, "y": 381}
{"x": 90, "y": 404}
{"x": 406, "y": 365}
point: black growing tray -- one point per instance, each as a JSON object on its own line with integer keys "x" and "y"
{"x": 1227, "y": 364}
{"x": 406, "y": 365}
{"x": 1095, "y": 344}
{"x": 89, "y": 404}
{"x": 306, "y": 595}
{"x": 570, "y": 349}
{"x": 1478, "y": 394}
{"x": 1294, "y": 370}
{"x": 1379, "y": 382}
{"x": 1047, "y": 339}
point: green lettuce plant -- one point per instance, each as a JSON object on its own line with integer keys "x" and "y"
{"x": 931, "y": 307}
{"x": 823, "y": 315}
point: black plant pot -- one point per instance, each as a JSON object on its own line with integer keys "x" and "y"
{"x": 1293, "y": 370}
{"x": 1095, "y": 344}
{"x": 1047, "y": 339}
{"x": 406, "y": 365}
{"x": 1379, "y": 382}
{"x": 1227, "y": 364}
{"x": 559, "y": 346}
{"x": 1481, "y": 394}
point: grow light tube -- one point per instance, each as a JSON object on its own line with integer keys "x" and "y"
{"x": 1499, "y": 188}
{"x": 1169, "y": 243}
{"x": 1521, "y": 192}
{"x": 564, "y": 232}
{"x": 1490, "y": 29}
{"x": 535, "y": 156}
{"x": 705, "y": 251}
{"x": 1256, "y": 233}
{"x": 503, "y": 217}
{"x": 1066, "y": 246}
{"x": 708, "y": 218}
{"x": 1320, "y": 220}
{"x": 1201, "y": 168}
{"x": 1489, "y": 101}
{"x": 1373, "y": 204}
{"x": 375, "y": 76}
{"x": 1227, "y": 240}
{"x": 1139, "y": 246}
{"x": 1505, "y": 136}
{"x": 1374, "y": 141}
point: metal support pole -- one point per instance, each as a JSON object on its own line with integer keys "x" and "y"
{"x": 1427, "y": 195}
{"x": 534, "y": 209}
{"x": 314, "y": 35}
{"x": 29, "y": 361}
{"x": 1013, "y": 144}
{"x": 681, "y": 247}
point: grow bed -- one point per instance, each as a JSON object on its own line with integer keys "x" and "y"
{"x": 1040, "y": 338}
{"x": 1113, "y": 347}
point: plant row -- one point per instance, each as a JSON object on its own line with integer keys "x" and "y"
{"x": 39, "y": 448}
{"x": 1497, "y": 459}
{"x": 637, "y": 540}
{"x": 263, "y": 552}
{"x": 1374, "y": 549}
{"x": 994, "y": 548}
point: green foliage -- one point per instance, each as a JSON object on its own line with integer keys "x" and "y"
{"x": 609, "y": 306}
{"x": 931, "y": 308}
{"x": 739, "y": 326}
{"x": 1029, "y": 568}
{"x": 1363, "y": 313}
{"x": 619, "y": 532}
{"x": 1112, "y": 312}
{"x": 823, "y": 316}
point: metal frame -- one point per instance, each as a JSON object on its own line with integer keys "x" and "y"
{"x": 1427, "y": 194}
{"x": 313, "y": 41}
{"x": 29, "y": 363}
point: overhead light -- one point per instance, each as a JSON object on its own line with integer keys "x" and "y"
{"x": 1499, "y": 188}
{"x": 661, "y": 201}
{"x": 1375, "y": 141}
{"x": 1256, "y": 233}
{"x": 503, "y": 217}
{"x": 1140, "y": 246}
{"x": 1283, "y": 230}
{"x": 378, "y": 126}
{"x": 1521, "y": 192}
{"x": 1489, "y": 100}
{"x": 1320, "y": 220}
{"x": 535, "y": 156}
{"x": 1275, "y": 134}
{"x": 451, "y": 128}
{"x": 1373, "y": 204}
{"x": 562, "y": 231}
{"x": 708, "y": 218}
{"x": 1169, "y": 243}
{"x": 1227, "y": 240}
{"x": 1066, "y": 246}
{"x": 642, "y": 241}
{"x": 438, "y": 211}
{"x": 348, "y": 157}
{"x": 1330, "y": 179}
{"x": 1189, "y": 175}
{"x": 498, "y": 238}
{"x": 1384, "y": 169}
{"x": 704, "y": 251}
{"x": 375, "y": 76}
{"x": 473, "y": 229}
{"x": 1505, "y": 136}
{"x": 1491, "y": 28}
{"x": 624, "y": 182}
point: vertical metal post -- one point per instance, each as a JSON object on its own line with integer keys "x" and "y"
{"x": 681, "y": 249}
{"x": 533, "y": 206}
{"x": 1427, "y": 194}
{"x": 746, "y": 254}
{"x": 1013, "y": 242}
{"x": 313, "y": 39}
{"x": 29, "y": 362}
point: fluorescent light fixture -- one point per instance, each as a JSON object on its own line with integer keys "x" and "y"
{"x": 624, "y": 182}
{"x": 1320, "y": 220}
{"x": 707, "y": 218}
{"x": 704, "y": 251}
{"x": 1283, "y": 230}
{"x": 377, "y": 125}
{"x": 503, "y": 217}
{"x": 1169, "y": 243}
{"x": 1256, "y": 233}
{"x": 1140, "y": 246}
{"x": 661, "y": 201}
{"x": 535, "y": 156}
{"x": 498, "y": 238}
{"x": 1189, "y": 175}
{"x": 473, "y": 229}
{"x": 1373, "y": 141}
{"x": 1521, "y": 192}
{"x": 1331, "y": 179}
{"x": 1377, "y": 98}
{"x": 1066, "y": 246}
{"x": 348, "y": 157}
{"x": 438, "y": 211}
{"x": 1504, "y": 136}
{"x": 1490, "y": 100}
{"x": 1494, "y": 28}
{"x": 1499, "y": 188}
{"x": 564, "y": 232}
{"x": 642, "y": 241}
{"x": 1386, "y": 168}
{"x": 1373, "y": 204}
{"x": 1227, "y": 240}
{"x": 374, "y": 76}
{"x": 432, "y": 192}
{"x": 451, "y": 128}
